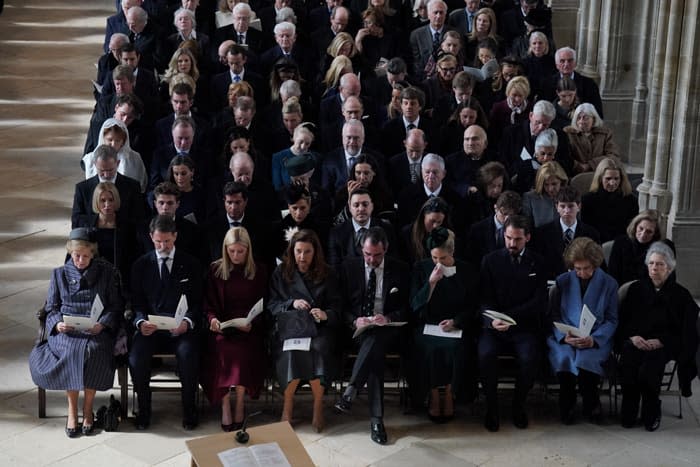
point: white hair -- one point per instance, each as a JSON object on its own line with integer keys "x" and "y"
{"x": 432, "y": 158}
{"x": 547, "y": 139}
{"x": 562, "y": 50}
{"x": 242, "y": 8}
{"x": 184, "y": 11}
{"x": 285, "y": 26}
{"x": 544, "y": 108}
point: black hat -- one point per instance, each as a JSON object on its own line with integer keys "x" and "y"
{"x": 82, "y": 233}
{"x": 539, "y": 17}
{"x": 396, "y": 66}
{"x": 437, "y": 237}
{"x": 299, "y": 165}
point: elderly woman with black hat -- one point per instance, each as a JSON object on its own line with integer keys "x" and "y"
{"x": 84, "y": 310}
{"x": 302, "y": 171}
{"x": 443, "y": 300}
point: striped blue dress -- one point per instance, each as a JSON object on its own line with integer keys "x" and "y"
{"x": 78, "y": 360}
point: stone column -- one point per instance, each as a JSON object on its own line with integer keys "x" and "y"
{"x": 588, "y": 58}
{"x": 638, "y": 129}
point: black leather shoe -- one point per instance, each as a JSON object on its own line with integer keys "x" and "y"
{"x": 344, "y": 405}
{"x": 72, "y": 432}
{"x": 190, "y": 425}
{"x": 520, "y": 419}
{"x": 142, "y": 422}
{"x": 568, "y": 417}
{"x": 596, "y": 415}
{"x": 88, "y": 429}
{"x": 654, "y": 423}
{"x": 378, "y": 433}
{"x": 491, "y": 421}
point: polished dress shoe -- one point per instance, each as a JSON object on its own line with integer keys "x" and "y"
{"x": 378, "y": 433}
{"x": 491, "y": 421}
{"x": 190, "y": 425}
{"x": 654, "y": 422}
{"x": 520, "y": 419}
{"x": 344, "y": 405}
{"x": 72, "y": 432}
{"x": 143, "y": 422}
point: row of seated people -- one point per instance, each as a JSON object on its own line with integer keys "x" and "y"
{"x": 446, "y": 304}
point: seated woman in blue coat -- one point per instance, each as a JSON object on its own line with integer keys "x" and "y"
{"x": 580, "y": 359}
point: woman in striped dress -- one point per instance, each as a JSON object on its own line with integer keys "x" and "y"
{"x": 71, "y": 359}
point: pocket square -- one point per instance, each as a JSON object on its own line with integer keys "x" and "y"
{"x": 532, "y": 274}
{"x": 184, "y": 280}
{"x": 393, "y": 290}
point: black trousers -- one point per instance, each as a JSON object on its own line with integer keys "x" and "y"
{"x": 642, "y": 373}
{"x": 186, "y": 350}
{"x": 369, "y": 367}
{"x": 524, "y": 345}
{"x": 588, "y": 383}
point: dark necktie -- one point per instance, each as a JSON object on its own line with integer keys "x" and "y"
{"x": 235, "y": 224}
{"x": 415, "y": 172}
{"x": 236, "y": 78}
{"x": 436, "y": 40}
{"x": 470, "y": 18}
{"x": 164, "y": 271}
{"x": 410, "y": 127}
{"x": 500, "y": 242}
{"x": 515, "y": 259}
{"x": 241, "y": 39}
{"x": 368, "y": 304}
{"x": 568, "y": 237}
{"x": 360, "y": 235}
{"x": 351, "y": 162}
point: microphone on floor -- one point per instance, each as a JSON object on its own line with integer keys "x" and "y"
{"x": 242, "y": 436}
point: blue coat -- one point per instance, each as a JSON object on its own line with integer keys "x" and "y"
{"x": 601, "y": 298}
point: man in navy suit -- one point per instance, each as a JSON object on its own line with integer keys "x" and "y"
{"x": 337, "y": 163}
{"x": 375, "y": 291}
{"x": 552, "y": 239}
{"x": 181, "y": 100}
{"x": 143, "y": 34}
{"x": 395, "y": 130}
{"x": 237, "y": 59}
{"x": 106, "y": 163}
{"x": 487, "y": 235}
{"x": 462, "y": 18}
{"x": 240, "y": 32}
{"x": 344, "y": 240}
{"x": 513, "y": 282}
{"x": 286, "y": 46}
{"x": 159, "y": 280}
{"x": 117, "y": 22}
{"x": 145, "y": 86}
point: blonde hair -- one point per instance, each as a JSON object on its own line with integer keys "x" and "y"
{"x": 492, "y": 29}
{"x": 101, "y": 188}
{"x": 184, "y": 78}
{"x": 611, "y": 164}
{"x": 335, "y": 70}
{"x": 72, "y": 245}
{"x": 172, "y": 65}
{"x": 519, "y": 84}
{"x": 223, "y": 266}
{"x": 548, "y": 170}
{"x": 337, "y": 43}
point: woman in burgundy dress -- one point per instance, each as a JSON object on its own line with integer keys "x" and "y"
{"x": 235, "y": 355}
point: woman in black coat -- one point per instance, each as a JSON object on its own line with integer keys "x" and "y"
{"x": 656, "y": 324}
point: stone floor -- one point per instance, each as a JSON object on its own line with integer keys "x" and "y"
{"x": 48, "y": 49}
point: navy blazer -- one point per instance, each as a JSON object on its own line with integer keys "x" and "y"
{"x": 115, "y": 23}
{"x": 518, "y": 290}
{"x": 549, "y": 241}
{"x": 221, "y": 82}
{"x": 342, "y": 243}
{"x": 394, "y": 134}
{"x": 396, "y": 278}
{"x": 148, "y": 297}
{"x": 481, "y": 240}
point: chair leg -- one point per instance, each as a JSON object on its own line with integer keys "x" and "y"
{"x": 41, "y": 394}
{"x": 123, "y": 377}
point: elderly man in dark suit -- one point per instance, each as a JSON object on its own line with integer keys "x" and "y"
{"x": 329, "y": 25}
{"x": 106, "y": 163}
{"x": 159, "y": 280}
{"x": 240, "y": 32}
{"x": 375, "y": 292}
{"x": 463, "y": 166}
{"x": 117, "y": 22}
{"x": 143, "y": 34}
{"x": 426, "y": 39}
{"x": 513, "y": 283}
{"x": 405, "y": 167}
{"x": 337, "y": 163}
{"x": 553, "y": 238}
{"x": 345, "y": 239}
{"x": 586, "y": 89}
{"x": 286, "y": 46}
{"x": 181, "y": 101}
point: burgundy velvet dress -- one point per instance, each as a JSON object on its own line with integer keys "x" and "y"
{"x": 236, "y": 358}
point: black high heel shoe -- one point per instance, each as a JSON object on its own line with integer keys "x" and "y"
{"x": 72, "y": 432}
{"x": 88, "y": 429}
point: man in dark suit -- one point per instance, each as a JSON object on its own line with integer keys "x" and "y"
{"x": 145, "y": 86}
{"x": 394, "y": 132}
{"x": 586, "y": 89}
{"x": 462, "y": 18}
{"x": 375, "y": 292}
{"x": 158, "y": 281}
{"x": 330, "y": 110}
{"x": 106, "y": 164}
{"x": 426, "y": 39}
{"x": 522, "y": 137}
{"x": 143, "y": 34}
{"x": 352, "y": 109}
{"x": 183, "y": 143}
{"x": 463, "y": 166}
{"x": 431, "y": 185}
{"x": 513, "y": 283}
{"x": 553, "y": 238}
{"x": 186, "y": 24}
{"x": 117, "y": 22}
{"x": 405, "y": 167}
{"x": 237, "y": 58}
{"x": 286, "y": 46}
{"x": 166, "y": 201}
{"x": 487, "y": 235}
{"x": 109, "y": 61}
{"x": 240, "y": 32}
{"x": 181, "y": 100}
{"x": 344, "y": 239}
{"x": 237, "y": 213}
{"x": 337, "y": 163}
{"x": 328, "y": 27}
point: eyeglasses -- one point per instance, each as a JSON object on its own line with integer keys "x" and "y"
{"x": 447, "y": 70}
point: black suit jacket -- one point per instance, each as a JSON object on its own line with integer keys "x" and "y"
{"x": 255, "y": 40}
{"x": 394, "y": 134}
{"x": 115, "y": 23}
{"x": 334, "y": 169}
{"x": 146, "y": 42}
{"x": 299, "y": 54}
{"x": 221, "y": 81}
{"x": 549, "y": 241}
{"x": 260, "y": 234}
{"x": 517, "y": 137}
{"x": 586, "y": 90}
{"x": 132, "y": 203}
{"x": 342, "y": 243}
{"x": 396, "y": 278}
{"x": 481, "y": 240}
{"x": 164, "y": 131}
{"x": 412, "y": 198}
{"x": 148, "y": 297}
{"x": 399, "y": 173}
{"x": 164, "y": 154}
{"x": 189, "y": 239}
{"x": 518, "y": 290}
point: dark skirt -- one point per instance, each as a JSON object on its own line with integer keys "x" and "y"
{"x": 319, "y": 362}
{"x": 437, "y": 361}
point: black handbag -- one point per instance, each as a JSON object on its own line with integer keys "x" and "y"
{"x": 296, "y": 324}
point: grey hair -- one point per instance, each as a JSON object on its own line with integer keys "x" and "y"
{"x": 545, "y": 108}
{"x": 354, "y": 123}
{"x": 121, "y": 37}
{"x": 242, "y": 6}
{"x": 139, "y": 13}
{"x": 562, "y": 50}
{"x": 184, "y": 11}
{"x": 547, "y": 138}
{"x": 661, "y": 248}
{"x": 290, "y": 87}
{"x": 432, "y": 158}
{"x": 286, "y": 14}
{"x": 587, "y": 109}
{"x": 285, "y": 26}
